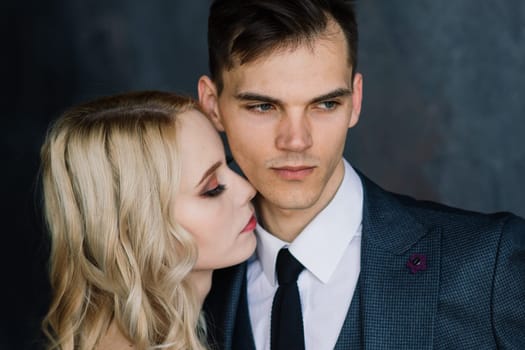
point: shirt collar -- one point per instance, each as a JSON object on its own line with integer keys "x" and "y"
{"x": 321, "y": 245}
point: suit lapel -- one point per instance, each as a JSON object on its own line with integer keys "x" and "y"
{"x": 398, "y": 307}
{"x": 242, "y": 333}
{"x": 351, "y": 333}
{"x": 222, "y": 304}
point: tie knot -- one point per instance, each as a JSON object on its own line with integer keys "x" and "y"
{"x": 288, "y": 267}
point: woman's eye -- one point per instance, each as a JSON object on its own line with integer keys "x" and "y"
{"x": 261, "y": 107}
{"x": 214, "y": 192}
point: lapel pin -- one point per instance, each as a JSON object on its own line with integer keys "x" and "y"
{"x": 417, "y": 262}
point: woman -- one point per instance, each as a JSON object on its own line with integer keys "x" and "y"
{"x": 141, "y": 207}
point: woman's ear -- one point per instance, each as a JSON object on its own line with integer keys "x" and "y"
{"x": 208, "y": 99}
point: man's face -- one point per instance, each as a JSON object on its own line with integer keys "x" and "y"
{"x": 286, "y": 117}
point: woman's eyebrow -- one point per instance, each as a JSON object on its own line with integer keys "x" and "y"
{"x": 209, "y": 171}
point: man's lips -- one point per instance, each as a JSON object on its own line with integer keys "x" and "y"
{"x": 293, "y": 172}
{"x": 251, "y": 225}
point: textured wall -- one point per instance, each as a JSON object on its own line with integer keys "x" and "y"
{"x": 442, "y": 116}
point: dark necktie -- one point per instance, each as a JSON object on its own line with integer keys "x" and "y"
{"x": 287, "y": 319}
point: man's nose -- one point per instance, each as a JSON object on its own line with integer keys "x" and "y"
{"x": 294, "y": 133}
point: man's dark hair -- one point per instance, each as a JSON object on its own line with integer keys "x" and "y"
{"x": 244, "y": 30}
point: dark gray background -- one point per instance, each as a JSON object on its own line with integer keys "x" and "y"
{"x": 444, "y": 85}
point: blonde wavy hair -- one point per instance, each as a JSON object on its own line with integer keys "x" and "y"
{"x": 110, "y": 172}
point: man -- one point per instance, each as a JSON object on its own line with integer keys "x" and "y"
{"x": 381, "y": 271}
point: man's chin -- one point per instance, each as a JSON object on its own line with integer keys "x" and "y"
{"x": 289, "y": 200}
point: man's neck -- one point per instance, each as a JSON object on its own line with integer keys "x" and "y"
{"x": 284, "y": 224}
{"x": 287, "y": 224}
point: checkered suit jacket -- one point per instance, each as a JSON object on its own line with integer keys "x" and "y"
{"x": 471, "y": 295}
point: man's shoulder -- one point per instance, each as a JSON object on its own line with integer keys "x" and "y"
{"x": 435, "y": 213}
{"x": 432, "y": 213}
{"x": 472, "y": 230}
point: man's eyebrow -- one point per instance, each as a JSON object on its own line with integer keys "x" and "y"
{"x": 252, "y": 96}
{"x": 341, "y": 92}
{"x": 209, "y": 172}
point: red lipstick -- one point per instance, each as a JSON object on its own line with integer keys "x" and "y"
{"x": 251, "y": 225}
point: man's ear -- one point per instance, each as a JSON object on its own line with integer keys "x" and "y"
{"x": 357, "y": 98}
{"x": 208, "y": 99}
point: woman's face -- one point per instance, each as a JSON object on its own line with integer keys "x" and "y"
{"x": 213, "y": 202}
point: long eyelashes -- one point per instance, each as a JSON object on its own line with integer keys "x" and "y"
{"x": 214, "y": 192}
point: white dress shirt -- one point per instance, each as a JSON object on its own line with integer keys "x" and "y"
{"x": 330, "y": 250}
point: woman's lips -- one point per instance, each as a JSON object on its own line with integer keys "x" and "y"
{"x": 251, "y": 225}
{"x": 294, "y": 173}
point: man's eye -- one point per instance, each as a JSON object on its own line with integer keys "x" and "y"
{"x": 328, "y": 105}
{"x": 261, "y": 107}
{"x": 214, "y": 192}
